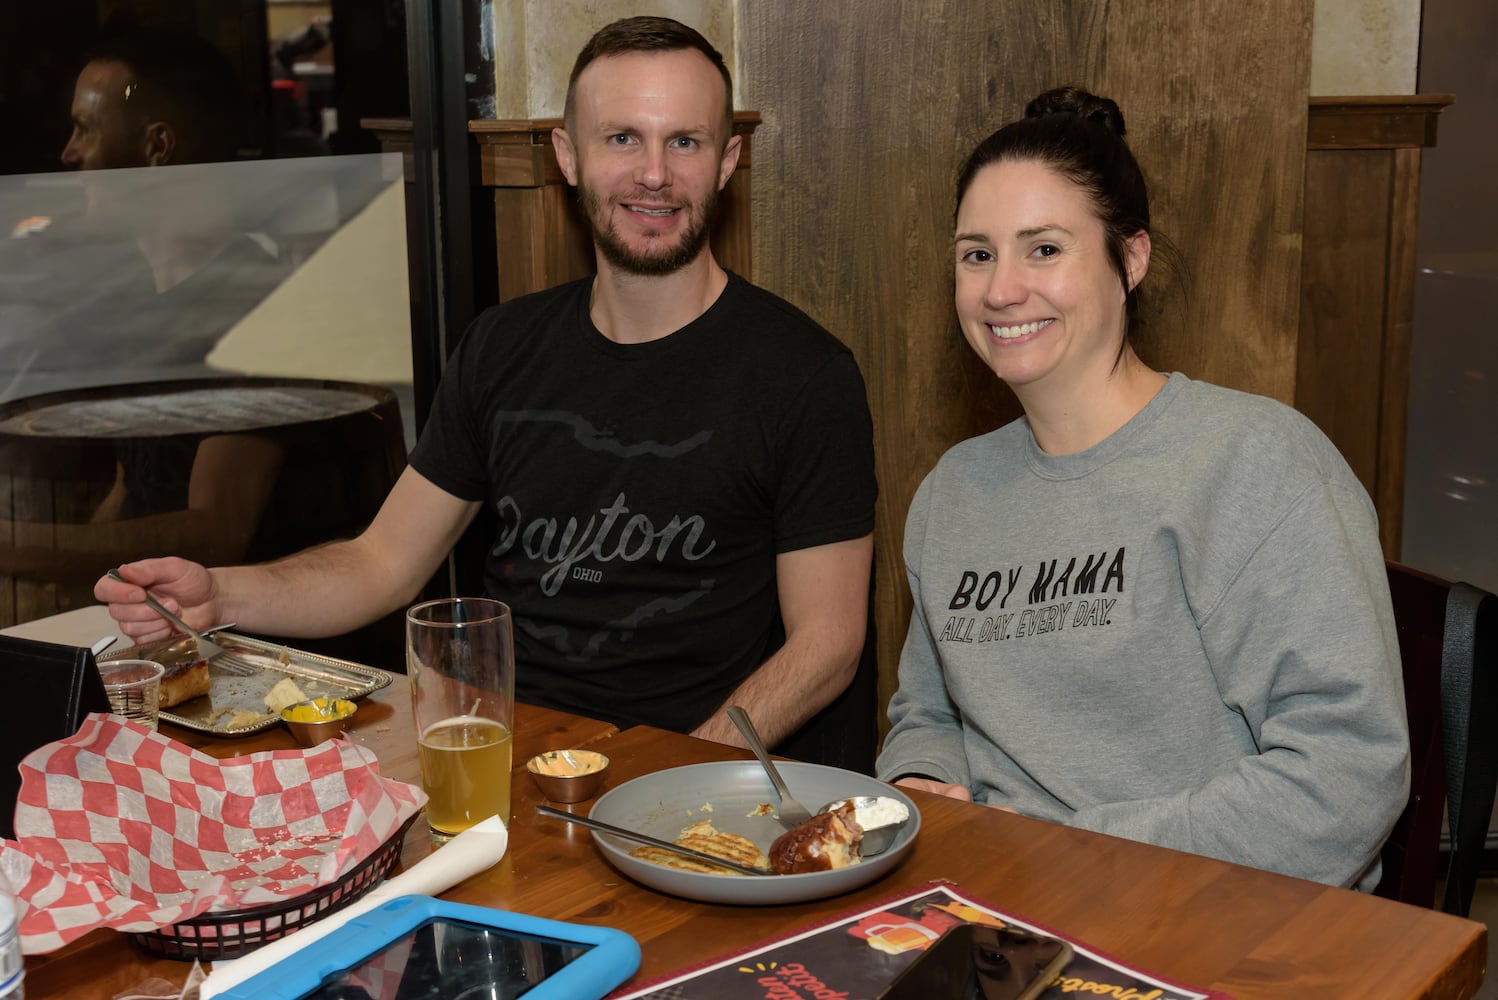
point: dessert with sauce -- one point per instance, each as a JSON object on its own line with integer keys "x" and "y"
{"x": 826, "y": 841}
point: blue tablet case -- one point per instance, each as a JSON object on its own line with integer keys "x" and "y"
{"x": 392, "y": 945}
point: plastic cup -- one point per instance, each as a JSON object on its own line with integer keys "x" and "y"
{"x": 460, "y": 658}
{"x": 134, "y": 688}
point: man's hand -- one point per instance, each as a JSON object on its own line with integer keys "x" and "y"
{"x": 938, "y": 788}
{"x": 182, "y": 586}
{"x": 325, "y": 590}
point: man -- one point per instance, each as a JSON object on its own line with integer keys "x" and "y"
{"x": 153, "y": 98}
{"x": 680, "y": 464}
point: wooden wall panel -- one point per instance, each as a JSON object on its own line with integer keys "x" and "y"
{"x": 1357, "y": 303}
{"x": 869, "y": 106}
{"x": 1342, "y": 319}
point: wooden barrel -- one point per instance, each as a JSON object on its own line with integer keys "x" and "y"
{"x": 93, "y": 477}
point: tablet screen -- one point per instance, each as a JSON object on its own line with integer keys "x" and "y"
{"x": 445, "y": 959}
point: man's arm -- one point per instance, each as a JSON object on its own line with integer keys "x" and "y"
{"x": 326, "y": 590}
{"x": 824, "y": 602}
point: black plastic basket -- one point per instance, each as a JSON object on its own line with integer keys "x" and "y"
{"x": 230, "y": 935}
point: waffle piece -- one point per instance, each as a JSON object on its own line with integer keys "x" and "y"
{"x": 826, "y": 841}
{"x": 702, "y": 836}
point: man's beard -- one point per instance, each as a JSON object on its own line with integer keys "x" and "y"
{"x": 621, "y": 256}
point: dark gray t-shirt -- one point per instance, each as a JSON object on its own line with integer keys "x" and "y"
{"x": 643, "y": 491}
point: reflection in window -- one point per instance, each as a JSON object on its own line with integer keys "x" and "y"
{"x": 161, "y": 219}
{"x": 138, "y": 265}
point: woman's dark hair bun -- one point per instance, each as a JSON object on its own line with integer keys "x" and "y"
{"x": 1079, "y": 103}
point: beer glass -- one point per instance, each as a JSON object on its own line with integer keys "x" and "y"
{"x": 460, "y": 658}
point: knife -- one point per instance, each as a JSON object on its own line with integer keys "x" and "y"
{"x": 619, "y": 831}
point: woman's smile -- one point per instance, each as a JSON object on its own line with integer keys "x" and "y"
{"x": 1017, "y": 330}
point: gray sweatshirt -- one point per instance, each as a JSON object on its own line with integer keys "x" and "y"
{"x": 1182, "y": 636}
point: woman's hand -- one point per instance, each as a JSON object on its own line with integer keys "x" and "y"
{"x": 938, "y": 788}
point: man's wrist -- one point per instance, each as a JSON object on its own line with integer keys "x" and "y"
{"x": 718, "y": 729}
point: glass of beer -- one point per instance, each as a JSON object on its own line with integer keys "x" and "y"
{"x": 460, "y": 658}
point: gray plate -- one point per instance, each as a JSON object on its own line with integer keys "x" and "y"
{"x": 264, "y": 663}
{"x": 664, "y": 803}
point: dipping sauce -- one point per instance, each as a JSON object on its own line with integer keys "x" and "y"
{"x": 566, "y": 763}
{"x": 319, "y": 710}
{"x": 871, "y": 814}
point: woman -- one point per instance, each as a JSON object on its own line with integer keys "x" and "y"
{"x": 1152, "y": 607}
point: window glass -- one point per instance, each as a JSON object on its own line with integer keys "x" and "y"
{"x": 186, "y": 192}
{"x": 1451, "y": 471}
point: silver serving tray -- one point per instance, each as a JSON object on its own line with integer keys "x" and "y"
{"x": 239, "y": 680}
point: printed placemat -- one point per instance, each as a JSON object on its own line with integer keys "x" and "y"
{"x": 859, "y": 953}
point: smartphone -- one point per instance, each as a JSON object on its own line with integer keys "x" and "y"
{"x": 977, "y": 962}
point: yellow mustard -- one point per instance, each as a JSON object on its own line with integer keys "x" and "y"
{"x": 314, "y": 712}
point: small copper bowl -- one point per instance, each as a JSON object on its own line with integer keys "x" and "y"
{"x": 568, "y": 775}
{"x": 318, "y": 719}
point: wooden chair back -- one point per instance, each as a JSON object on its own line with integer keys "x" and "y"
{"x": 1448, "y": 639}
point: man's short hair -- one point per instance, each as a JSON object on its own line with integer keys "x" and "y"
{"x": 184, "y": 81}
{"x": 648, "y": 34}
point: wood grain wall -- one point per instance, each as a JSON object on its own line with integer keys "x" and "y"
{"x": 1357, "y": 310}
{"x": 869, "y": 107}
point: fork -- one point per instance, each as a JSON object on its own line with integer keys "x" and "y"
{"x": 229, "y": 663}
{"x": 792, "y": 813}
{"x": 207, "y": 648}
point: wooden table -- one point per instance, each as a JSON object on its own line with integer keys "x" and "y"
{"x": 1203, "y": 922}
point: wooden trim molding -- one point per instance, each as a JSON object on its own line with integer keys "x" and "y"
{"x": 1362, "y": 200}
{"x": 1406, "y": 121}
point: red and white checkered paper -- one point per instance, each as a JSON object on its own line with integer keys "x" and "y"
{"x": 121, "y": 827}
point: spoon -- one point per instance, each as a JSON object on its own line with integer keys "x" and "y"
{"x": 103, "y": 644}
{"x": 643, "y": 838}
{"x": 792, "y": 813}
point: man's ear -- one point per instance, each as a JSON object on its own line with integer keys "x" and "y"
{"x": 566, "y": 154}
{"x": 729, "y": 160}
{"x": 159, "y": 144}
